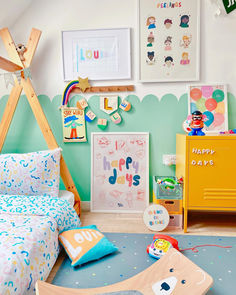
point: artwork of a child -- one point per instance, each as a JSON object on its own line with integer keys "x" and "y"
{"x": 71, "y": 122}
{"x": 185, "y": 59}
{"x": 151, "y": 58}
{"x": 184, "y": 21}
{"x": 186, "y": 41}
{"x": 168, "y": 43}
{"x": 150, "y": 39}
{"x": 168, "y": 23}
{"x": 151, "y": 20}
{"x": 169, "y": 61}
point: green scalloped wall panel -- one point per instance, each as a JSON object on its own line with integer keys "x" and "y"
{"x": 161, "y": 118}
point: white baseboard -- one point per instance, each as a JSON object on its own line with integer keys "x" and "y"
{"x": 85, "y": 206}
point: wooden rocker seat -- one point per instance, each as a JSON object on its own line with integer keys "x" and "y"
{"x": 172, "y": 274}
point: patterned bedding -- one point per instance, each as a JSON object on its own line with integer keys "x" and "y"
{"x": 29, "y": 247}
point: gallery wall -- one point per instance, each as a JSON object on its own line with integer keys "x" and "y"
{"x": 51, "y": 17}
{"x": 158, "y": 108}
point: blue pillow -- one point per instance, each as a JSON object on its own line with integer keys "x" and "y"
{"x": 85, "y": 244}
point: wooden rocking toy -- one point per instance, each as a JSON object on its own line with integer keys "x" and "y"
{"x": 172, "y": 274}
{"x": 20, "y": 62}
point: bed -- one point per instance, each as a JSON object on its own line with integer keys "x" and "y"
{"x": 32, "y": 213}
{"x": 29, "y": 227}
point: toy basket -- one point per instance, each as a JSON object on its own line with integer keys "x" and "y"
{"x": 167, "y": 190}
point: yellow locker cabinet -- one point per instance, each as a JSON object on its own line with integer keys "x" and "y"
{"x": 208, "y": 167}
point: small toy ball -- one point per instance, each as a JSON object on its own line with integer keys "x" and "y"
{"x": 160, "y": 245}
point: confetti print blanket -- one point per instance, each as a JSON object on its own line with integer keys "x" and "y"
{"x": 29, "y": 246}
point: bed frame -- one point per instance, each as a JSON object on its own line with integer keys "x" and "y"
{"x": 17, "y": 64}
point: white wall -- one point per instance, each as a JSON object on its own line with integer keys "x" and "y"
{"x": 218, "y": 42}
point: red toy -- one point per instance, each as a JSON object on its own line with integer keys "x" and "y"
{"x": 160, "y": 245}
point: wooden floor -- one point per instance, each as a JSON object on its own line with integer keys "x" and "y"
{"x": 200, "y": 223}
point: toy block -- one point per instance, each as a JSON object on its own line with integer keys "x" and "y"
{"x": 116, "y": 118}
{"x": 82, "y": 104}
{"x": 90, "y": 116}
{"x": 102, "y": 123}
{"x": 125, "y": 106}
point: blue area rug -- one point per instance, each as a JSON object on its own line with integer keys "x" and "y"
{"x": 132, "y": 258}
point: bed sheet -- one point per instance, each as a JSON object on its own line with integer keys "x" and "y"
{"x": 29, "y": 246}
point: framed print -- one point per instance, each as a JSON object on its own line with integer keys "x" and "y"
{"x": 73, "y": 125}
{"x": 211, "y": 100}
{"x": 96, "y": 54}
{"x": 119, "y": 172}
{"x": 169, "y": 40}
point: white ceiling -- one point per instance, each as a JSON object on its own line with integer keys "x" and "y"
{"x": 11, "y": 11}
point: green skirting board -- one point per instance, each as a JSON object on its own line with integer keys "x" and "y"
{"x": 132, "y": 258}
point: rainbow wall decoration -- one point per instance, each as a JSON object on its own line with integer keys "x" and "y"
{"x": 73, "y": 121}
{"x": 67, "y": 91}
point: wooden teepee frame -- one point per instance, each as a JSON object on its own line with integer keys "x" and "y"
{"x": 17, "y": 64}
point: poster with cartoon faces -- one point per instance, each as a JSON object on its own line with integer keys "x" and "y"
{"x": 169, "y": 40}
{"x": 120, "y": 173}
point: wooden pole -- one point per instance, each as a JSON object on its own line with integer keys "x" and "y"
{"x": 33, "y": 101}
{"x": 9, "y": 66}
{"x": 9, "y": 112}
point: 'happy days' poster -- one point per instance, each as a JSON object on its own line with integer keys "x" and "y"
{"x": 120, "y": 173}
{"x": 169, "y": 40}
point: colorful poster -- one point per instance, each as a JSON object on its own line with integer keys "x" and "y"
{"x": 97, "y": 54}
{"x": 120, "y": 172}
{"x": 169, "y": 40}
{"x": 211, "y": 100}
{"x": 73, "y": 125}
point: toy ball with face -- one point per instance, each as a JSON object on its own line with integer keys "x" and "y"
{"x": 160, "y": 245}
{"x": 197, "y": 123}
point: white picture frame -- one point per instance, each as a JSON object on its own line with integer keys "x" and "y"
{"x": 111, "y": 189}
{"x": 217, "y": 106}
{"x": 171, "y": 61}
{"x": 100, "y": 54}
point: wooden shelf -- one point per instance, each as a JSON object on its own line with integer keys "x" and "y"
{"x": 97, "y": 89}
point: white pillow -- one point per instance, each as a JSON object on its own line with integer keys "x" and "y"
{"x": 66, "y": 195}
{"x": 33, "y": 174}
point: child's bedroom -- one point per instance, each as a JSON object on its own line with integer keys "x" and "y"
{"x": 117, "y": 147}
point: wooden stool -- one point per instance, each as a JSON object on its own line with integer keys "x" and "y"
{"x": 172, "y": 274}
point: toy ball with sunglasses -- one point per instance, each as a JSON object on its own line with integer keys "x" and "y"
{"x": 197, "y": 123}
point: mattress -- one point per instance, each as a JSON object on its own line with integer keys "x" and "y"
{"x": 29, "y": 228}
{"x": 66, "y": 195}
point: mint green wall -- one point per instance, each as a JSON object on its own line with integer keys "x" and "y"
{"x": 163, "y": 119}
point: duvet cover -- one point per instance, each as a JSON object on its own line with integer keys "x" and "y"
{"x": 29, "y": 246}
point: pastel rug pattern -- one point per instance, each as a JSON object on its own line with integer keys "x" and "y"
{"x": 132, "y": 258}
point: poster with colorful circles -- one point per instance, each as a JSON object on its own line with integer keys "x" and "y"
{"x": 169, "y": 40}
{"x": 211, "y": 101}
